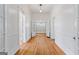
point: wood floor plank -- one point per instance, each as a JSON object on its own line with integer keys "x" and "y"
{"x": 40, "y": 45}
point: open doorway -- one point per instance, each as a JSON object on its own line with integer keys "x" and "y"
{"x": 22, "y": 31}
{"x": 38, "y": 27}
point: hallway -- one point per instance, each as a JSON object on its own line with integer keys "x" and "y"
{"x": 22, "y": 29}
{"x": 40, "y": 45}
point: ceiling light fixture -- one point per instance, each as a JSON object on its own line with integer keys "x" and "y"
{"x": 40, "y": 11}
{"x": 40, "y": 8}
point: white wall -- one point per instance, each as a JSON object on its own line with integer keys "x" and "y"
{"x": 64, "y": 29}
{"x": 41, "y": 17}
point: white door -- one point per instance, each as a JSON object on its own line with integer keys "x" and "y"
{"x": 77, "y": 29}
{"x": 2, "y": 29}
{"x": 77, "y": 37}
{"x": 11, "y": 29}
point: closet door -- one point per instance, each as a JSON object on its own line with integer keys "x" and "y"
{"x": 11, "y": 29}
{"x": 77, "y": 30}
{"x": 2, "y": 29}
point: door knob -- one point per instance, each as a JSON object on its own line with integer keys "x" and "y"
{"x": 74, "y": 38}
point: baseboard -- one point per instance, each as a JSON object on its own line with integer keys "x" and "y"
{"x": 13, "y": 51}
{"x": 66, "y": 51}
{"x": 3, "y": 53}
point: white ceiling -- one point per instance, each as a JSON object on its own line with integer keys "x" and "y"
{"x": 35, "y": 8}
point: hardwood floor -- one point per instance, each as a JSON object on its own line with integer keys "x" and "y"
{"x": 40, "y": 45}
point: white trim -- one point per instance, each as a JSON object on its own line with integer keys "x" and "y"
{"x": 13, "y": 51}
{"x": 66, "y": 51}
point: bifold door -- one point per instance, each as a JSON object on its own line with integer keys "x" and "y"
{"x": 2, "y": 29}
{"x": 77, "y": 30}
{"x": 11, "y": 29}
